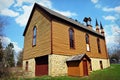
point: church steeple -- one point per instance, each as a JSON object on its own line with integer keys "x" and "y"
{"x": 101, "y": 28}
{"x": 97, "y": 26}
{"x": 97, "y": 23}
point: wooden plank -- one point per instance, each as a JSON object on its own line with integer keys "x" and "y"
{"x": 43, "y": 42}
{"x": 61, "y": 41}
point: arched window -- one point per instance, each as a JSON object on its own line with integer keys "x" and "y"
{"x": 98, "y": 44}
{"x": 71, "y": 38}
{"x": 34, "y": 36}
{"x": 87, "y": 42}
{"x": 87, "y": 39}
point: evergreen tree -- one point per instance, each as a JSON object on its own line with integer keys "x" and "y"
{"x": 9, "y": 56}
{"x": 1, "y": 54}
{"x": 1, "y": 51}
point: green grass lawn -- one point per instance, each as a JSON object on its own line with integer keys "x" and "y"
{"x": 112, "y": 73}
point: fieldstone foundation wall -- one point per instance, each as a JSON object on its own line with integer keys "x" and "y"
{"x": 96, "y": 63}
{"x": 57, "y": 65}
{"x": 31, "y": 68}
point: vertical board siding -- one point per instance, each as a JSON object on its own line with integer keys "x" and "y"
{"x": 61, "y": 41}
{"x": 73, "y": 68}
{"x": 43, "y": 39}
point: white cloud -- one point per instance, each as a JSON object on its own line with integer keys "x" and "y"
{"x": 16, "y": 47}
{"x": 8, "y": 12}
{"x": 111, "y": 18}
{"x": 66, "y": 13}
{"x": 108, "y": 9}
{"x": 6, "y": 41}
{"x": 22, "y": 19}
{"x": 111, "y": 36}
{"x": 19, "y": 3}
{"x": 115, "y": 29}
{"x": 46, "y": 3}
{"x": 4, "y": 8}
{"x": 115, "y": 9}
{"x": 110, "y": 39}
{"x": 94, "y": 1}
{"x": 98, "y": 6}
{"x": 23, "y": 11}
{"x": 5, "y": 4}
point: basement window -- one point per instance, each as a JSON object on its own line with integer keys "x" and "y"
{"x": 26, "y": 66}
{"x": 101, "y": 65}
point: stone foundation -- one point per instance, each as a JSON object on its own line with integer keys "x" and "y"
{"x": 57, "y": 65}
{"x": 96, "y": 63}
{"x": 31, "y": 68}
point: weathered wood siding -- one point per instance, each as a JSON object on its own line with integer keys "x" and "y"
{"x": 43, "y": 40}
{"x": 73, "y": 68}
{"x": 77, "y": 69}
{"x": 60, "y": 39}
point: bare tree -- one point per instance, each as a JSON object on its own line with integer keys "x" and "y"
{"x": 117, "y": 38}
{"x": 116, "y": 52}
{"x": 20, "y": 59}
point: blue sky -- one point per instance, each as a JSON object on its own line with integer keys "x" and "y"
{"x": 16, "y": 13}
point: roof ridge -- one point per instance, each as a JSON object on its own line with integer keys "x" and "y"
{"x": 62, "y": 17}
{"x": 56, "y": 14}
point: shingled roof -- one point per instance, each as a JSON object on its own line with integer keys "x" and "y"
{"x": 56, "y": 15}
{"x": 78, "y": 58}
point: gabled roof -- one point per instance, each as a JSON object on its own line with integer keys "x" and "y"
{"x": 56, "y": 15}
{"x": 78, "y": 58}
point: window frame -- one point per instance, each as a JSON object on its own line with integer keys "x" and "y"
{"x": 101, "y": 64}
{"x": 71, "y": 39}
{"x": 34, "y": 37}
{"x": 98, "y": 45}
{"x": 87, "y": 40}
{"x": 26, "y": 66}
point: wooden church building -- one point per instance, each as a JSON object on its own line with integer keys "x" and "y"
{"x": 56, "y": 45}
